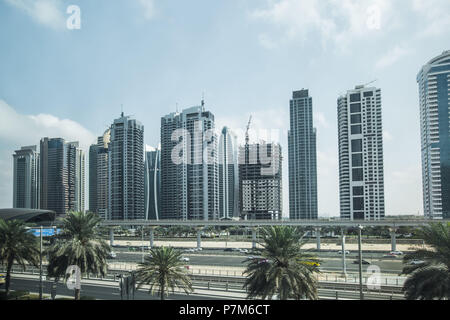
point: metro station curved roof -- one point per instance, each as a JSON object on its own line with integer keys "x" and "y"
{"x": 28, "y": 215}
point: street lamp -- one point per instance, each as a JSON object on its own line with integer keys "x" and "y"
{"x": 41, "y": 287}
{"x": 361, "y": 294}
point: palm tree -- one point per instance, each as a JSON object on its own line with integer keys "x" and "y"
{"x": 79, "y": 245}
{"x": 17, "y": 245}
{"x": 286, "y": 270}
{"x": 431, "y": 279}
{"x": 163, "y": 270}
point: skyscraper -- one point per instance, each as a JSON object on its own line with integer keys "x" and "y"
{"x": 62, "y": 176}
{"x": 228, "y": 175}
{"x": 152, "y": 183}
{"x": 361, "y": 168}
{"x": 93, "y": 151}
{"x": 76, "y": 177}
{"x": 126, "y": 170}
{"x": 189, "y": 169}
{"x": 98, "y": 175}
{"x": 434, "y": 95}
{"x": 260, "y": 183}
{"x": 302, "y": 158}
{"x": 26, "y": 178}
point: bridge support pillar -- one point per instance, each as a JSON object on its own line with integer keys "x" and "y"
{"x": 152, "y": 237}
{"x": 254, "y": 230}
{"x": 199, "y": 238}
{"x": 393, "y": 239}
{"x": 111, "y": 237}
{"x": 344, "y": 264}
{"x": 318, "y": 238}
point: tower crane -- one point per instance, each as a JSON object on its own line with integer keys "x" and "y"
{"x": 247, "y": 139}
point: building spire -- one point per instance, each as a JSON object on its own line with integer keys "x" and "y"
{"x": 121, "y": 110}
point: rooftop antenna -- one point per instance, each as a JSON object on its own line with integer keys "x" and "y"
{"x": 176, "y": 106}
{"x": 121, "y": 110}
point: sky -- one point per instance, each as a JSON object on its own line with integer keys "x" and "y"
{"x": 245, "y": 57}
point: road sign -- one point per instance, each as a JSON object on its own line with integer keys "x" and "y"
{"x": 48, "y": 232}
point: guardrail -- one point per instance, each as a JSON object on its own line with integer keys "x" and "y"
{"x": 232, "y": 276}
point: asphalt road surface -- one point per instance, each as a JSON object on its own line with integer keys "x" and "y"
{"x": 329, "y": 262}
{"x": 96, "y": 291}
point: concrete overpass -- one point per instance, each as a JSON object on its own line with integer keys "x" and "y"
{"x": 393, "y": 225}
{"x": 261, "y": 223}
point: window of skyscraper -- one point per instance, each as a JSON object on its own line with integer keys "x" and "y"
{"x": 355, "y": 107}
{"x": 355, "y": 97}
{"x": 358, "y": 203}
{"x": 357, "y": 174}
{"x": 356, "y": 129}
{"x": 357, "y": 160}
{"x": 356, "y": 118}
{"x": 357, "y": 145}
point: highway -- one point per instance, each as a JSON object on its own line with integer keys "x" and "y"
{"x": 101, "y": 292}
{"x": 110, "y": 291}
{"x": 329, "y": 261}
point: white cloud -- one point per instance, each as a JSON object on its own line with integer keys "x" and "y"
{"x": 320, "y": 120}
{"x": 338, "y": 21}
{"x": 387, "y": 136}
{"x": 266, "y": 41}
{"x": 45, "y": 12}
{"x": 148, "y": 7}
{"x": 436, "y": 14}
{"x": 391, "y": 57}
{"x": 18, "y": 130}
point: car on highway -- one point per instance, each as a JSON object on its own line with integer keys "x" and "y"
{"x": 185, "y": 259}
{"x": 312, "y": 263}
{"x": 396, "y": 253}
{"x": 346, "y": 252}
{"x": 2, "y": 279}
{"x": 112, "y": 255}
{"x": 228, "y": 250}
{"x": 363, "y": 262}
{"x": 243, "y": 250}
{"x": 416, "y": 262}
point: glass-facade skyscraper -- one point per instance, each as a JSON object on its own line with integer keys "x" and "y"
{"x": 98, "y": 175}
{"x": 152, "y": 183}
{"x": 228, "y": 175}
{"x": 62, "y": 175}
{"x": 189, "y": 166}
{"x": 361, "y": 167}
{"x": 302, "y": 158}
{"x": 126, "y": 170}
{"x": 434, "y": 95}
{"x": 26, "y": 178}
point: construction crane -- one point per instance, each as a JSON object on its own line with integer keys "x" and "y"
{"x": 247, "y": 139}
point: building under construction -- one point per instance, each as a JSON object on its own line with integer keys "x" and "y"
{"x": 260, "y": 183}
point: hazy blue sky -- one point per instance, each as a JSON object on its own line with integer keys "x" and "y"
{"x": 246, "y": 56}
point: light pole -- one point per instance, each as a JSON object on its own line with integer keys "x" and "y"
{"x": 142, "y": 243}
{"x": 41, "y": 287}
{"x": 361, "y": 294}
